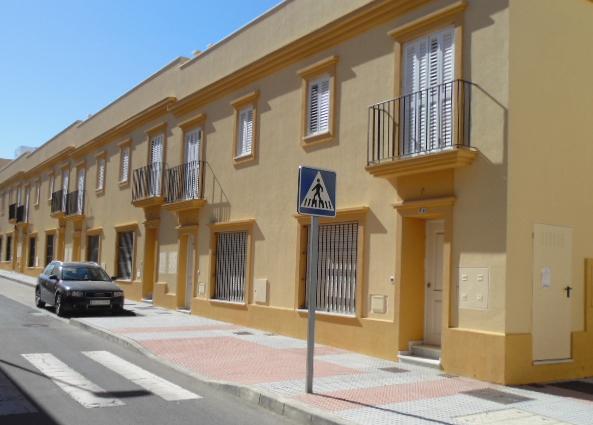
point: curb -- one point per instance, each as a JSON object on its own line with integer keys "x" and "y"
{"x": 291, "y": 409}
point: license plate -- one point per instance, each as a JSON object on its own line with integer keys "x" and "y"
{"x": 100, "y": 302}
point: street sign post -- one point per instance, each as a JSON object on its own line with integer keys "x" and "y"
{"x": 317, "y": 198}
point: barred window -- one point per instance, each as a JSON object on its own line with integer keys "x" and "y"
{"x": 231, "y": 260}
{"x": 8, "y": 248}
{"x": 125, "y": 251}
{"x": 49, "y": 248}
{"x": 32, "y": 260}
{"x": 92, "y": 248}
{"x": 337, "y": 268}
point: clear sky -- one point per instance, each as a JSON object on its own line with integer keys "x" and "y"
{"x": 62, "y": 60}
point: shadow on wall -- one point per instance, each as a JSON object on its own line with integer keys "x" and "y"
{"x": 218, "y": 207}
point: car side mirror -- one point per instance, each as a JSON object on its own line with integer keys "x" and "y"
{"x": 113, "y": 277}
{"x": 53, "y": 277}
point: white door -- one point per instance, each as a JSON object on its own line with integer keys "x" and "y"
{"x": 428, "y": 89}
{"x": 81, "y": 181}
{"x": 189, "y": 271}
{"x": 552, "y": 292}
{"x": 435, "y": 236}
{"x": 193, "y": 141}
{"x": 156, "y": 164}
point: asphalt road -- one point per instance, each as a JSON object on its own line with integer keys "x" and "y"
{"x": 51, "y": 371}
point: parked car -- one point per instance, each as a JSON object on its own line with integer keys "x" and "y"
{"x": 77, "y": 286}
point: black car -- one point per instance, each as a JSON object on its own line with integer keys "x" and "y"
{"x": 79, "y": 287}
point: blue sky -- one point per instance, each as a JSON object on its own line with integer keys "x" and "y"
{"x": 62, "y": 60}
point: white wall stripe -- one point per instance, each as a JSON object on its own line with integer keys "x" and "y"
{"x": 73, "y": 383}
{"x": 143, "y": 378}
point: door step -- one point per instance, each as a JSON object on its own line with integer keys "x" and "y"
{"x": 422, "y": 355}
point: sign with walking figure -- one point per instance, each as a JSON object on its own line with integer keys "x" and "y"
{"x": 317, "y": 192}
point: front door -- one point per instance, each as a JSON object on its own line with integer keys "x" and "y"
{"x": 552, "y": 292}
{"x": 435, "y": 235}
{"x": 189, "y": 271}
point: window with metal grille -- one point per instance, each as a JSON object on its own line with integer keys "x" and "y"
{"x": 92, "y": 248}
{"x": 31, "y": 261}
{"x": 49, "y": 248}
{"x": 231, "y": 260}
{"x": 8, "y": 253}
{"x": 336, "y": 268}
{"x": 125, "y": 251}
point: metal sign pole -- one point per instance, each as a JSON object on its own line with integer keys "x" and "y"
{"x": 312, "y": 299}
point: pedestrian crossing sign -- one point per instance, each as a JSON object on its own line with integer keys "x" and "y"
{"x": 317, "y": 192}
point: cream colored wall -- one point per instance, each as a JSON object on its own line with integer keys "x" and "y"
{"x": 550, "y": 143}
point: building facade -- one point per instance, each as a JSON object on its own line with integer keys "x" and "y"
{"x": 459, "y": 131}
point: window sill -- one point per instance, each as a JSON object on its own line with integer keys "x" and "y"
{"x": 124, "y": 184}
{"x": 242, "y": 159}
{"x": 317, "y": 138}
{"x": 305, "y": 312}
{"x": 228, "y": 303}
{"x": 100, "y": 192}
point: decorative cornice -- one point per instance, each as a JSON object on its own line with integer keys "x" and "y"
{"x": 442, "y": 16}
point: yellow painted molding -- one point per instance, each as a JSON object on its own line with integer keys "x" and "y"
{"x": 157, "y": 129}
{"x": 196, "y": 121}
{"x": 427, "y": 163}
{"x": 446, "y": 201}
{"x": 320, "y": 67}
{"x": 446, "y": 15}
{"x": 190, "y": 204}
{"x": 94, "y": 231}
{"x": 126, "y": 226}
{"x": 342, "y": 214}
{"x": 149, "y": 202}
{"x": 245, "y": 100}
{"x": 232, "y": 225}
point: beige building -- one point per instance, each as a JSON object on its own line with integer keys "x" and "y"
{"x": 460, "y": 133}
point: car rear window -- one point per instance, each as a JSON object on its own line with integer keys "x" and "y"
{"x": 84, "y": 273}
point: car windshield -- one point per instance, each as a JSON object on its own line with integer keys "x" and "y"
{"x": 84, "y": 273}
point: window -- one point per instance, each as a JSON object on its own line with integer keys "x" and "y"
{"x": 1, "y": 240}
{"x": 32, "y": 258}
{"x": 319, "y": 87}
{"x": 245, "y": 127}
{"x": 101, "y": 163}
{"x": 37, "y": 192}
{"x": 93, "y": 248}
{"x": 124, "y": 164}
{"x": 231, "y": 261}
{"x": 428, "y": 92}
{"x": 49, "y": 247}
{"x": 337, "y": 268}
{"x": 3, "y": 203}
{"x": 318, "y": 106}
{"x": 125, "y": 254}
{"x": 8, "y": 249}
{"x": 50, "y": 188}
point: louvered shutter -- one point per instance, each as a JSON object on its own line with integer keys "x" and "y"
{"x": 448, "y": 75}
{"x": 193, "y": 141}
{"x": 318, "y": 106}
{"x": 65, "y": 186}
{"x": 81, "y": 184}
{"x": 101, "y": 174}
{"x": 125, "y": 165}
{"x": 51, "y": 186}
{"x": 245, "y": 142}
{"x": 156, "y": 159}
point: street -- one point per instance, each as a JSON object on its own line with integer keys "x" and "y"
{"x": 54, "y": 373}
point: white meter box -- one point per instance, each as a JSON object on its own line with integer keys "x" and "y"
{"x": 474, "y": 286}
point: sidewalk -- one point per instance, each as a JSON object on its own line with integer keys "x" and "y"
{"x": 350, "y": 388}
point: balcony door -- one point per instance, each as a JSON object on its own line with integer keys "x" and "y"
{"x": 156, "y": 165}
{"x": 193, "y": 143}
{"x": 80, "y": 188}
{"x": 427, "y": 108}
{"x": 65, "y": 185}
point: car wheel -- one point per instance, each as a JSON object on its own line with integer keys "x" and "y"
{"x": 60, "y": 306}
{"x": 38, "y": 302}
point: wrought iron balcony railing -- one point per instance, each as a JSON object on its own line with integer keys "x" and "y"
{"x": 147, "y": 182}
{"x": 427, "y": 121}
{"x": 184, "y": 182}
{"x": 75, "y": 203}
{"x": 58, "y": 202}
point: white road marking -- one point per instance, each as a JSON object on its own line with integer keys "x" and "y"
{"x": 12, "y": 402}
{"x": 143, "y": 378}
{"x": 78, "y": 387}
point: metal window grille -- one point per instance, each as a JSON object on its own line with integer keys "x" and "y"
{"x": 336, "y": 268}
{"x": 8, "y": 256}
{"x": 231, "y": 259}
{"x": 92, "y": 248}
{"x": 125, "y": 244}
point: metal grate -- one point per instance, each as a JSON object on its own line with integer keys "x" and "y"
{"x": 336, "y": 268}
{"x": 231, "y": 257}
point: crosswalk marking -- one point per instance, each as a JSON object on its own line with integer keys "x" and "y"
{"x": 78, "y": 387}
{"x": 143, "y": 378}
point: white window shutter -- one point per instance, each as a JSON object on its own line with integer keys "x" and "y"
{"x": 101, "y": 174}
{"x": 156, "y": 149}
{"x": 125, "y": 164}
{"x": 313, "y": 108}
{"x": 245, "y": 142}
{"x": 318, "y": 108}
{"x": 193, "y": 141}
{"x": 324, "y": 105}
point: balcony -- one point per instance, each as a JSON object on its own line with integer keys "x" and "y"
{"x": 58, "y": 204}
{"x": 12, "y": 213}
{"x": 147, "y": 185}
{"x": 183, "y": 186}
{"x": 75, "y": 204}
{"x": 425, "y": 131}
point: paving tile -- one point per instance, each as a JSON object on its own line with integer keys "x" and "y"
{"x": 497, "y": 396}
{"x": 509, "y": 417}
{"x": 358, "y": 361}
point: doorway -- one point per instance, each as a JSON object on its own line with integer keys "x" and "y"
{"x": 189, "y": 271}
